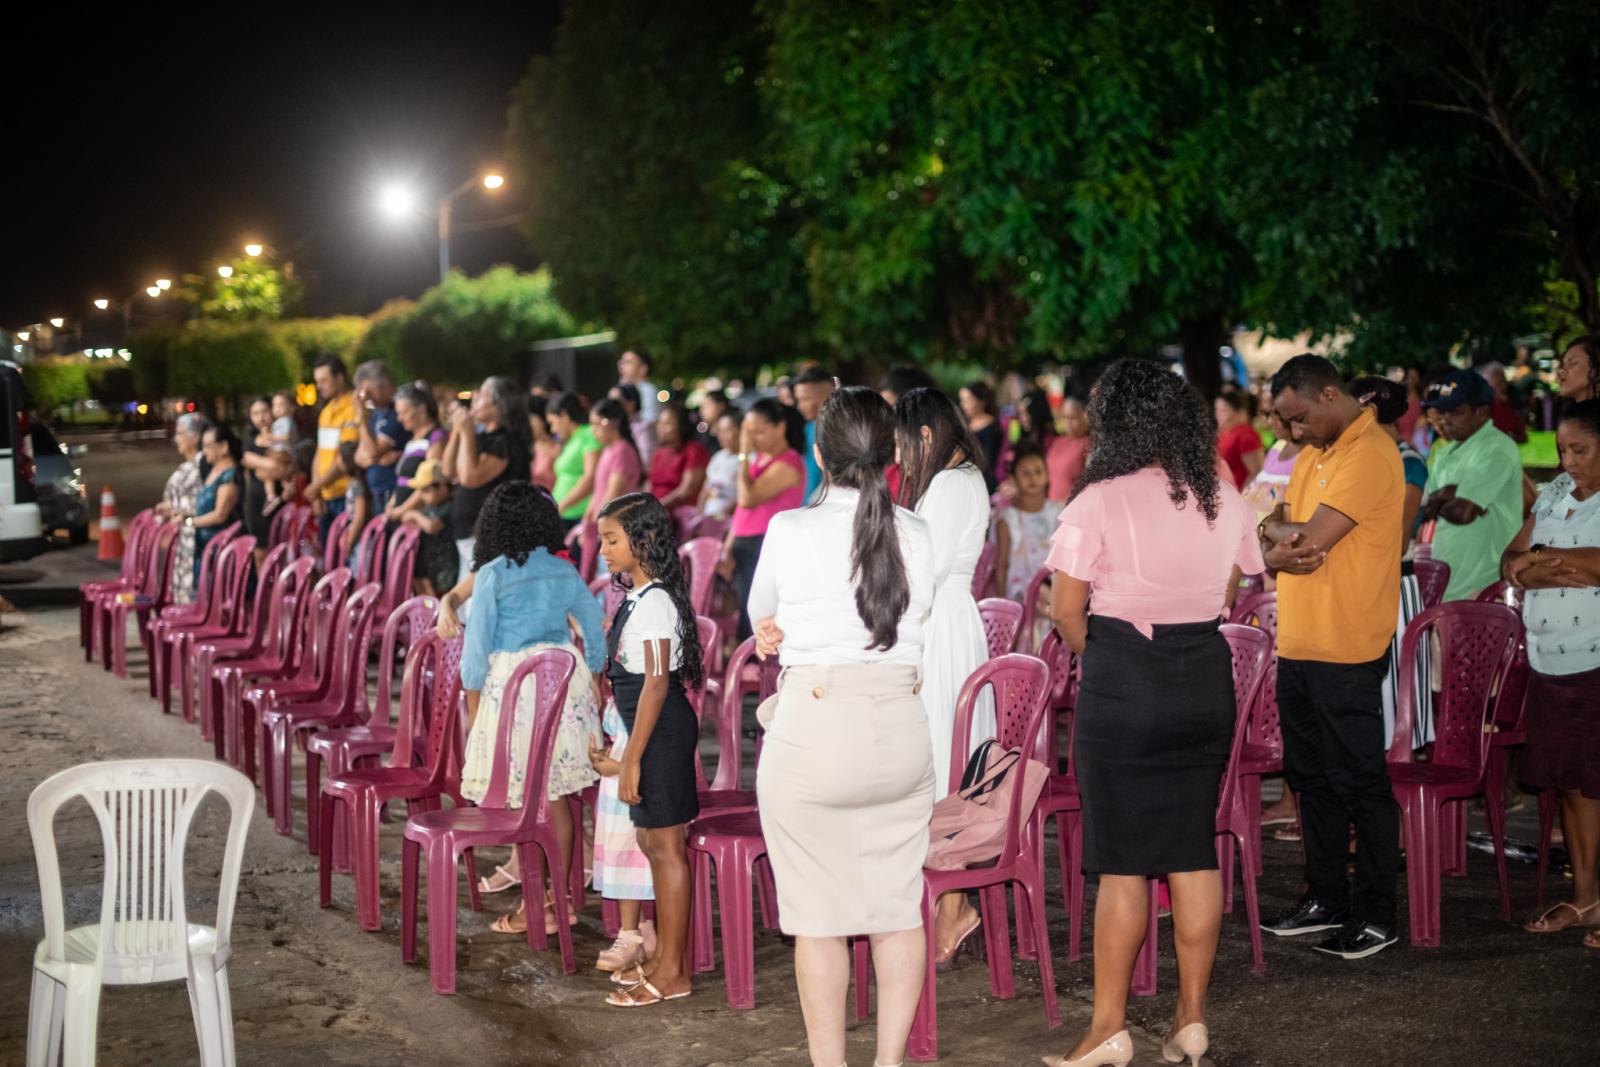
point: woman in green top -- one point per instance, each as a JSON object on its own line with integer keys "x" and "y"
{"x": 568, "y": 417}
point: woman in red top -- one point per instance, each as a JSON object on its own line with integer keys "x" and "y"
{"x": 678, "y": 465}
{"x": 1238, "y": 444}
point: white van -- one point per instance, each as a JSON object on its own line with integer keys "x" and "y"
{"x": 21, "y": 533}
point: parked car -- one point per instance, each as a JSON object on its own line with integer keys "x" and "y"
{"x": 21, "y": 533}
{"x": 63, "y": 501}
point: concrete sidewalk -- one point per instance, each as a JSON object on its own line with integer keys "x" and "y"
{"x": 53, "y": 576}
{"x": 311, "y": 988}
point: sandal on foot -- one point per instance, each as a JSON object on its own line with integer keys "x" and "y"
{"x": 629, "y": 977}
{"x": 1544, "y": 925}
{"x": 1288, "y": 833}
{"x": 503, "y": 925}
{"x": 946, "y": 959}
{"x": 630, "y": 996}
{"x": 487, "y": 883}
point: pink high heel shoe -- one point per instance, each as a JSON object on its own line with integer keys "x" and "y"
{"x": 1191, "y": 1042}
{"x": 1114, "y": 1051}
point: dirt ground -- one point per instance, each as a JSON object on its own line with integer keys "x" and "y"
{"x": 311, "y": 988}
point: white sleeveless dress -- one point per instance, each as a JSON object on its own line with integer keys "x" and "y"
{"x": 956, "y": 507}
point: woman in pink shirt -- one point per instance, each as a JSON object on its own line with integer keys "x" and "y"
{"x": 1158, "y": 540}
{"x": 772, "y": 478}
{"x": 618, "y": 470}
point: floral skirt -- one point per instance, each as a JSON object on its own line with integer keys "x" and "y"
{"x": 570, "y": 769}
{"x": 621, "y": 870}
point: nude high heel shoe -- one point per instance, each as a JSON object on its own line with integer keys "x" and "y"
{"x": 1114, "y": 1051}
{"x": 1191, "y": 1042}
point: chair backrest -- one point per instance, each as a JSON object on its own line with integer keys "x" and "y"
{"x": 144, "y": 809}
{"x": 347, "y": 678}
{"x": 430, "y": 706}
{"x": 400, "y": 562}
{"x": 1001, "y": 621}
{"x": 333, "y": 553}
{"x": 1433, "y": 578}
{"x": 683, "y": 517}
{"x": 586, "y": 536}
{"x": 1021, "y": 687}
{"x": 227, "y": 608}
{"x": 204, "y": 578}
{"x": 1251, "y": 648}
{"x": 609, "y": 593}
{"x": 1258, "y": 609}
{"x": 319, "y": 621}
{"x": 707, "y": 526}
{"x": 136, "y": 550}
{"x": 290, "y": 599}
{"x": 983, "y": 570}
{"x": 1501, "y": 593}
{"x": 279, "y": 530}
{"x": 369, "y": 550}
{"x": 1030, "y": 607}
{"x": 1477, "y": 645}
{"x": 551, "y": 670}
{"x": 267, "y": 576}
{"x": 711, "y": 662}
{"x": 156, "y": 584}
{"x": 1064, "y": 670}
{"x": 699, "y": 557}
{"x": 414, "y": 618}
{"x": 730, "y": 714}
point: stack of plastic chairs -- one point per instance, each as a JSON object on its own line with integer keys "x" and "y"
{"x": 135, "y": 562}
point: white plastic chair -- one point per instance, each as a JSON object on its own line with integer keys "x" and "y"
{"x": 144, "y": 808}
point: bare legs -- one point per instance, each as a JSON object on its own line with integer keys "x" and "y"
{"x": 1580, "y": 823}
{"x": 822, "y": 971}
{"x": 668, "y": 969}
{"x": 953, "y": 917}
{"x": 1121, "y": 917}
{"x": 561, "y": 819}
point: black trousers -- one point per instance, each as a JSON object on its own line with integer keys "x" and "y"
{"x": 1333, "y": 751}
{"x": 746, "y": 554}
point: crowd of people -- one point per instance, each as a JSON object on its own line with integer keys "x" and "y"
{"x": 853, "y": 520}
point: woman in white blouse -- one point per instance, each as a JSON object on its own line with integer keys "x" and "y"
{"x": 941, "y": 481}
{"x": 1556, "y": 559}
{"x": 842, "y": 593}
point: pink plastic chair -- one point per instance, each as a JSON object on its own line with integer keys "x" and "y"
{"x": 699, "y": 557}
{"x": 1263, "y": 745}
{"x": 983, "y": 571}
{"x": 586, "y": 537}
{"x": 1022, "y": 690}
{"x": 369, "y": 550}
{"x": 1001, "y": 621}
{"x": 226, "y": 615}
{"x": 1478, "y": 644}
{"x": 683, "y": 517}
{"x": 1061, "y": 799}
{"x": 280, "y": 657}
{"x": 135, "y": 562}
{"x": 153, "y": 596}
{"x": 248, "y": 639}
{"x": 706, "y": 526}
{"x": 1030, "y": 600}
{"x": 431, "y": 687}
{"x": 309, "y": 677}
{"x": 610, "y": 594}
{"x": 285, "y": 523}
{"x": 438, "y": 838}
{"x": 333, "y": 553}
{"x": 176, "y": 616}
{"x": 344, "y": 747}
{"x": 1433, "y": 578}
{"x": 1257, "y": 609}
{"x": 400, "y": 564}
{"x": 287, "y": 720}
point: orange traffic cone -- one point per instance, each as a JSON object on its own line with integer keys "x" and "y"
{"x": 110, "y": 526}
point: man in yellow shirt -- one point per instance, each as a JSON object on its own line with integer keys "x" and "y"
{"x": 1335, "y": 545}
{"x": 336, "y": 424}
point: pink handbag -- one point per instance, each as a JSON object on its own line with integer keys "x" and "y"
{"x": 969, "y": 825}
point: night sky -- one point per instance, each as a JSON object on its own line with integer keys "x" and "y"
{"x": 155, "y": 141}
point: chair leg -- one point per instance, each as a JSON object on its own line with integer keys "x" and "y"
{"x": 1249, "y": 858}
{"x": 225, "y": 1017}
{"x": 1549, "y": 802}
{"x": 313, "y": 790}
{"x": 1495, "y": 812}
{"x": 1423, "y": 863}
{"x": 1032, "y": 892}
{"x": 1225, "y": 867}
{"x": 863, "y": 967}
{"x": 327, "y": 808}
{"x": 44, "y": 1021}
{"x": 80, "y": 1019}
{"x": 1453, "y": 838}
{"x": 1144, "y": 965}
{"x": 923, "y": 1042}
{"x": 1077, "y": 888}
{"x": 441, "y": 867}
{"x": 473, "y": 900}
{"x": 997, "y": 940}
{"x": 281, "y": 756}
{"x": 766, "y": 893}
{"x": 203, "y": 985}
{"x": 735, "y": 904}
{"x": 702, "y": 950}
{"x": 410, "y": 859}
{"x": 558, "y": 891}
{"x": 364, "y": 858}
{"x": 269, "y": 791}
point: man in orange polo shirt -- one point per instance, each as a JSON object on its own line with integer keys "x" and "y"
{"x": 1335, "y": 545}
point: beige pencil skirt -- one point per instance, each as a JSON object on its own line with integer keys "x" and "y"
{"x": 845, "y": 788}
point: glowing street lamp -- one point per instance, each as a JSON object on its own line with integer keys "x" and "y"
{"x": 397, "y": 201}
{"x": 23, "y": 335}
{"x": 58, "y": 322}
{"x": 153, "y": 291}
{"x": 102, "y": 303}
{"x": 225, "y": 271}
{"x": 163, "y": 284}
{"x": 254, "y": 249}
{"x": 493, "y": 181}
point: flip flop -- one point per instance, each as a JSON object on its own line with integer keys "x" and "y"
{"x": 485, "y": 885}
{"x": 1280, "y": 820}
{"x": 628, "y": 997}
{"x": 1542, "y": 924}
{"x": 502, "y": 925}
{"x": 946, "y": 960}
{"x": 629, "y": 977}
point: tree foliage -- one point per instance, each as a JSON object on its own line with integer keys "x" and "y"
{"x": 465, "y": 329}
{"x": 229, "y": 360}
{"x": 311, "y": 339}
{"x": 382, "y": 338}
{"x": 254, "y": 291}
{"x": 56, "y": 381}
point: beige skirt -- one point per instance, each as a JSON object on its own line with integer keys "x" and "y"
{"x": 846, "y": 792}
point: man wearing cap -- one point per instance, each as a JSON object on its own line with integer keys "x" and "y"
{"x": 1474, "y": 490}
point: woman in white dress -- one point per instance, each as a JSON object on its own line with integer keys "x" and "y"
{"x": 940, "y": 480}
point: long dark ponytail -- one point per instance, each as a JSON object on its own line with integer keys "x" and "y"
{"x": 653, "y": 538}
{"x": 949, "y": 437}
{"x": 855, "y": 434}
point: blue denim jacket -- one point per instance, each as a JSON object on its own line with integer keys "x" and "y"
{"x": 514, "y": 607}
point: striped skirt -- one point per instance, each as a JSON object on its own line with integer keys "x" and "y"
{"x": 1422, "y": 720}
{"x": 621, "y": 870}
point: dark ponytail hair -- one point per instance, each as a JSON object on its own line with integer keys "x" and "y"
{"x": 793, "y": 423}
{"x": 653, "y": 538}
{"x": 855, "y": 434}
{"x": 612, "y": 411}
{"x": 951, "y": 437}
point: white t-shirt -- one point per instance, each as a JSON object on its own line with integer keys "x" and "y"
{"x": 803, "y": 580}
{"x": 654, "y": 618}
{"x": 722, "y": 475}
{"x": 1563, "y": 625}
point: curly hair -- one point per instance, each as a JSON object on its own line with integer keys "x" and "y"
{"x": 1386, "y": 398}
{"x": 518, "y": 518}
{"x": 1143, "y": 415}
{"x": 653, "y": 539}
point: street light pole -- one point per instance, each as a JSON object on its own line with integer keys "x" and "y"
{"x": 488, "y": 181}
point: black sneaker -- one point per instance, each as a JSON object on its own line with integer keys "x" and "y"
{"x": 1306, "y": 917}
{"x": 1357, "y": 941}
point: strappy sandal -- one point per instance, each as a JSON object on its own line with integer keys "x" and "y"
{"x": 487, "y": 885}
{"x": 1543, "y": 925}
{"x": 629, "y": 977}
{"x": 629, "y": 996}
{"x": 503, "y": 925}
{"x": 1592, "y": 939}
{"x": 945, "y": 960}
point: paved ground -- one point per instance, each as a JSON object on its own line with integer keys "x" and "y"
{"x": 311, "y": 988}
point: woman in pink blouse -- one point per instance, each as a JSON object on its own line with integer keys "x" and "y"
{"x": 618, "y": 470}
{"x": 1158, "y": 541}
{"x": 772, "y": 478}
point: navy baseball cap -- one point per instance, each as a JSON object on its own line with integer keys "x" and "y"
{"x": 1458, "y": 388}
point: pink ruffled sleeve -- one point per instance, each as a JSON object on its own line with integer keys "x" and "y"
{"x": 1249, "y": 560}
{"x": 1076, "y": 545}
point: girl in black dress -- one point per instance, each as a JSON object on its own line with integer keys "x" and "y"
{"x": 653, "y": 654}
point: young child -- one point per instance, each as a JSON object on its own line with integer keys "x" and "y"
{"x": 653, "y": 653}
{"x": 357, "y": 503}
{"x": 521, "y": 599}
{"x": 1022, "y": 533}
{"x": 280, "y": 440}
{"x": 438, "y": 562}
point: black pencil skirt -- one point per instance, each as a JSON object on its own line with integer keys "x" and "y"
{"x": 1154, "y": 722}
{"x": 668, "y": 792}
